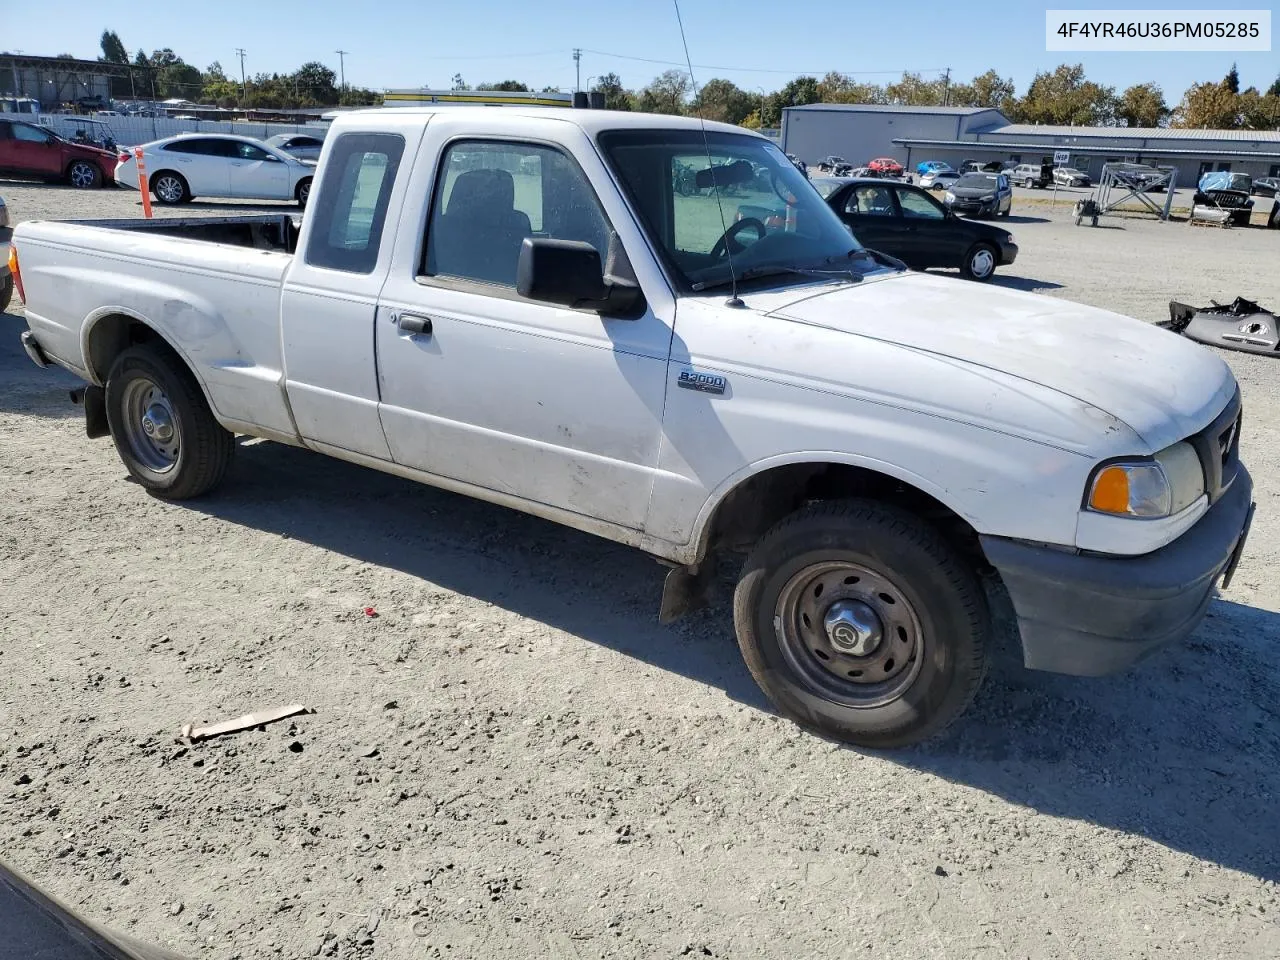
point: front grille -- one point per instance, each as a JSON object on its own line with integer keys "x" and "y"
{"x": 1218, "y": 447}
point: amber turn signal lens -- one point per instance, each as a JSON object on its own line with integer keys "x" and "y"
{"x": 1111, "y": 490}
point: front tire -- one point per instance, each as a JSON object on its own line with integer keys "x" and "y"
{"x": 302, "y": 193}
{"x": 84, "y": 175}
{"x": 860, "y": 622}
{"x": 6, "y": 291}
{"x": 979, "y": 262}
{"x": 170, "y": 188}
{"x": 162, "y": 427}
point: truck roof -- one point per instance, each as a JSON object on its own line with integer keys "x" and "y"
{"x": 591, "y": 121}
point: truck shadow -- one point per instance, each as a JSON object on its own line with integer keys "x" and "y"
{"x": 1183, "y": 750}
{"x": 24, "y": 387}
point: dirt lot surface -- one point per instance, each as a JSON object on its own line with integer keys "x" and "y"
{"x": 512, "y": 759}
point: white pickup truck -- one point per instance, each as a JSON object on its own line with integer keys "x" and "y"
{"x": 572, "y": 313}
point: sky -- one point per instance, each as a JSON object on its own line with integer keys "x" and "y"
{"x": 755, "y": 43}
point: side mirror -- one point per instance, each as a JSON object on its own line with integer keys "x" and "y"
{"x": 569, "y": 272}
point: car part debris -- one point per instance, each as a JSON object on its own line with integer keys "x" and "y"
{"x": 1239, "y": 325}
{"x": 1204, "y": 215}
{"x": 194, "y": 734}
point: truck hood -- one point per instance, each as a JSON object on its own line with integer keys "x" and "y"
{"x": 1162, "y": 386}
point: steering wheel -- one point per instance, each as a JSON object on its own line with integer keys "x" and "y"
{"x": 722, "y": 245}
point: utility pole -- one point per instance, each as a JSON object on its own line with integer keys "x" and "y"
{"x": 342, "y": 67}
{"x": 244, "y": 84}
{"x": 946, "y": 86}
{"x": 577, "y": 67}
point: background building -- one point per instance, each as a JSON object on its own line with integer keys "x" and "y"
{"x": 859, "y": 132}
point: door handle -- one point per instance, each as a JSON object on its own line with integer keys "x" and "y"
{"x": 414, "y": 325}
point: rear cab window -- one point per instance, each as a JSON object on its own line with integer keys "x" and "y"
{"x": 346, "y": 229}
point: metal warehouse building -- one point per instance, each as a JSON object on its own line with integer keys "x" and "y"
{"x": 859, "y": 132}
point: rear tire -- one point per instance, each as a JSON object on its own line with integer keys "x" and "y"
{"x": 859, "y": 621}
{"x": 162, "y": 427}
{"x": 84, "y": 175}
{"x": 979, "y": 262}
{"x": 169, "y": 188}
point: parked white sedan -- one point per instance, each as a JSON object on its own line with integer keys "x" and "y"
{"x": 187, "y": 166}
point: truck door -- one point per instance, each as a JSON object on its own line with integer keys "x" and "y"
{"x": 546, "y": 404}
{"x": 330, "y": 292}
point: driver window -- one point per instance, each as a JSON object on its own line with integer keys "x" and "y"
{"x": 871, "y": 200}
{"x": 919, "y": 205}
{"x": 249, "y": 152}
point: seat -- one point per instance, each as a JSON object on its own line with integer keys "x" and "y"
{"x": 480, "y": 232}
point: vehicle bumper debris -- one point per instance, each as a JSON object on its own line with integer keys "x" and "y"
{"x": 1239, "y": 325}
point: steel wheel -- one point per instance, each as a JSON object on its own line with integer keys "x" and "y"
{"x": 850, "y": 633}
{"x": 150, "y": 425}
{"x": 168, "y": 188}
{"x": 83, "y": 174}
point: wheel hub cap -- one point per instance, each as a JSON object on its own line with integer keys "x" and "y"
{"x": 853, "y": 627}
{"x": 157, "y": 424}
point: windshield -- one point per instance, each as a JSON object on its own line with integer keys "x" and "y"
{"x": 749, "y": 213}
{"x": 977, "y": 181}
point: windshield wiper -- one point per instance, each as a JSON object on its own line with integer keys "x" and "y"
{"x": 756, "y": 273}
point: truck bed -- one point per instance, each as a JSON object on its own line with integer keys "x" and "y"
{"x": 277, "y": 232}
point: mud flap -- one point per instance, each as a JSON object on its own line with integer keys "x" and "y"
{"x": 684, "y": 589}
{"x": 1241, "y": 325}
{"x": 94, "y": 400}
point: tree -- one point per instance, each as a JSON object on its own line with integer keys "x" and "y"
{"x": 1211, "y": 105}
{"x": 459, "y": 83}
{"x": 512, "y": 86}
{"x": 1274, "y": 89}
{"x": 985, "y": 90}
{"x": 313, "y": 82}
{"x": 113, "y": 50}
{"x": 1066, "y": 97}
{"x": 797, "y": 93}
{"x": 616, "y": 96}
{"x": 1142, "y": 105}
{"x": 666, "y": 93}
{"x": 840, "y": 88}
{"x": 1232, "y": 80}
{"x": 913, "y": 90}
{"x": 723, "y": 101}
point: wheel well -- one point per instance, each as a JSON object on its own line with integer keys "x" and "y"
{"x": 756, "y": 504}
{"x": 114, "y": 334}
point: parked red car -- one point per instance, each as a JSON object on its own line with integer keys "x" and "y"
{"x": 31, "y": 151}
{"x": 886, "y": 167}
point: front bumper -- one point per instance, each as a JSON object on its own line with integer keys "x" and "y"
{"x": 974, "y": 208}
{"x": 1091, "y": 615}
{"x": 1008, "y": 253}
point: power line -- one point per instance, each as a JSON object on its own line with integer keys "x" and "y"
{"x": 740, "y": 69}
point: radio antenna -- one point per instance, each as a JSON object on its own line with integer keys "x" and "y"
{"x": 734, "y": 300}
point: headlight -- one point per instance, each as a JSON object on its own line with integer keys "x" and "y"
{"x": 950, "y": 197}
{"x": 1165, "y": 485}
{"x": 988, "y": 198}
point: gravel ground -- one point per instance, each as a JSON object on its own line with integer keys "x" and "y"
{"x": 513, "y": 759}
